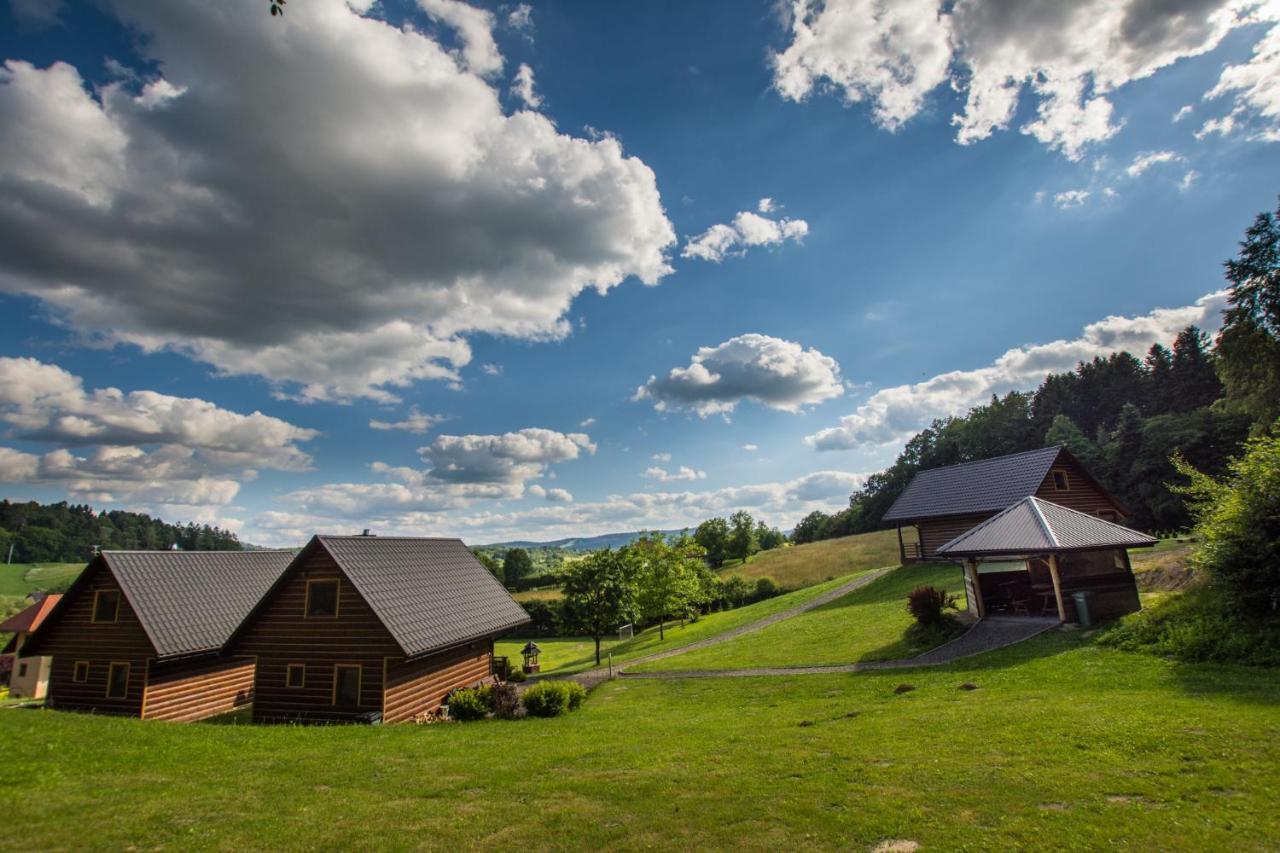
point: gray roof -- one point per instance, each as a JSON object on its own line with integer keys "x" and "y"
{"x": 1035, "y": 526}
{"x": 985, "y": 485}
{"x": 429, "y": 593}
{"x": 190, "y": 602}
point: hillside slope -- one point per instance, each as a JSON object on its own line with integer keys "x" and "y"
{"x": 804, "y": 565}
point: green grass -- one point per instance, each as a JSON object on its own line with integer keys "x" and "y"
{"x": 22, "y": 578}
{"x": 867, "y": 624}
{"x": 1064, "y": 745}
{"x": 803, "y": 565}
{"x": 567, "y": 655}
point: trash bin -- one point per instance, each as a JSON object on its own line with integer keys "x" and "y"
{"x": 1083, "y": 600}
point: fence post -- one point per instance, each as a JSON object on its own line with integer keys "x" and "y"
{"x": 611, "y": 666}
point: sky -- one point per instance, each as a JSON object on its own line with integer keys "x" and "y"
{"x": 556, "y": 269}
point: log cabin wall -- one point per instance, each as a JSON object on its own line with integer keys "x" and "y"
{"x": 197, "y": 689}
{"x": 420, "y": 686}
{"x": 280, "y": 634}
{"x": 76, "y": 638}
{"x": 1080, "y": 493}
{"x": 936, "y": 532}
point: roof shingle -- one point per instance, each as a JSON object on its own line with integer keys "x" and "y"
{"x": 1035, "y": 526}
{"x": 190, "y": 602}
{"x": 984, "y": 485}
{"x": 430, "y": 593}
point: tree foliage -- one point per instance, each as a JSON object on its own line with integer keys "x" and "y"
{"x": 68, "y": 533}
{"x": 600, "y": 594}
{"x": 667, "y": 577}
{"x": 1249, "y": 343}
{"x": 713, "y": 536}
{"x": 517, "y": 564}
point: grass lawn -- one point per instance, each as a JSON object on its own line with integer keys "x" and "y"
{"x": 1063, "y": 745}
{"x": 547, "y": 594}
{"x": 22, "y": 578}
{"x": 802, "y": 565}
{"x": 867, "y": 624}
{"x": 567, "y": 655}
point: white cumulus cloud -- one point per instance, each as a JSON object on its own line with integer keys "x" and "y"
{"x": 893, "y": 414}
{"x": 684, "y": 472}
{"x": 771, "y": 371}
{"x": 747, "y": 229}
{"x": 415, "y": 422}
{"x": 334, "y": 205}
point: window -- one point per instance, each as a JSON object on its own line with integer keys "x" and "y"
{"x": 322, "y": 598}
{"x": 1060, "y": 481}
{"x": 346, "y": 685}
{"x": 106, "y": 605}
{"x": 22, "y": 670}
{"x": 81, "y": 672}
{"x": 295, "y": 675}
{"x": 118, "y": 681}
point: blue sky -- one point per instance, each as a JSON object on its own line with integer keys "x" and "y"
{"x": 343, "y": 274}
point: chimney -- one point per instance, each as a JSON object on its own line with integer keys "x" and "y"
{"x": 366, "y": 532}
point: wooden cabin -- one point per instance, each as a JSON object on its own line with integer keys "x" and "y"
{"x": 29, "y": 675}
{"x": 942, "y": 503}
{"x": 1033, "y": 557}
{"x": 142, "y": 633}
{"x": 362, "y": 628}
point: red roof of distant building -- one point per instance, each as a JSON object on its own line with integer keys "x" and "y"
{"x": 30, "y": 619}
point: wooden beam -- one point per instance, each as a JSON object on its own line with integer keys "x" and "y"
{"x": 902, "y": 550}
{"x": 1057, "y": 586}
{"x": 971, "y": 575}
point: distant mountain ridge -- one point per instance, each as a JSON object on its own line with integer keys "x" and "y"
{"x": 583, "y": 543}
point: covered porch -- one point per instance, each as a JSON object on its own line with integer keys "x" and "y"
{"x": 1032, "y": 558}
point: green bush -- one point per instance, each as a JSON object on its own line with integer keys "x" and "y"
{"x": 1199, "y": 625}
{"x": 504, "y": 701}
{"x": 516, "y": 675}
{"x": 929, "y": 605}
{"x": 767, "y": 588}
{"x": 469, "y": 703}
{"x": 553, "y": 698}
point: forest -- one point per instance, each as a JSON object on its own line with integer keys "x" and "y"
{"x": 1128, "y": 417}
{"x": 68, "y": 533}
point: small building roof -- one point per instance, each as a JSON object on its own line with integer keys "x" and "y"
{"x": 429, "y": 593}
{"x": 190, "y": 602}
{"x": 1035, "y": 526}
{"x": 30, "y": 619}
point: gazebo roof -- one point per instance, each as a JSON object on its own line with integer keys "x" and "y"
{"x": 1035, "y": 526}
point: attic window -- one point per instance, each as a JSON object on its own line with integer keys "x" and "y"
{"x": 81, "y": 672}
{"x": 106, "y": 605}
{"x": 295, "y": 676}
{"x": 322, "y": 599}
{"x": 1060, "y": 481}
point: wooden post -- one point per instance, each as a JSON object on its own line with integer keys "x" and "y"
{"x": 902, "y": 550}
{"x": 1057, "y": 586}
{"x": 973, "y": 589}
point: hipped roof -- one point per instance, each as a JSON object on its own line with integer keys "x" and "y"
{"x": 1035, "y": 526}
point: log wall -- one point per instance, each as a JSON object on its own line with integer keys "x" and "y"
{"x": 420, "y": 686}
{"x": 194, "y": 690}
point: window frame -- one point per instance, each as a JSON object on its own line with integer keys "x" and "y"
{"x": 337, "y": 595}
{"x": 22, "y": 669}
{"x": 75, "y": 672}
{"x": 1057, "y": 475}
{"x": 127, "y": 673}
{"x": 359, "y": 668}
{"x": 115, "y": 616}
{"x": 288, "y": 676}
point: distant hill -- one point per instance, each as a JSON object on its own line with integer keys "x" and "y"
{"x": 581, "y": 544}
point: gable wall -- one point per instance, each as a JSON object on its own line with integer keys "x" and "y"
{"x": 936, "y": 532}
{"x": 280, "y": 634}
{"x": 1080, "y": 495}
{"x": 74, "y": 637}
{"x": 420, "y": 686}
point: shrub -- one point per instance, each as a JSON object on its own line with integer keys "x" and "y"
{"x": 766, "y": 588}
{"x": 504, "y": 701}
{"x": 1199, "y": 625}
{"x": 553, "y": 698}
{"x": 516, "y": 675}
{"x": 735, "y": 590}
{"x": 928, "y": 605}
{"x": 468, "y": 703}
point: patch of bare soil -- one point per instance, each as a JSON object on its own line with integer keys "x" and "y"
{"x": 1165, "y": 571}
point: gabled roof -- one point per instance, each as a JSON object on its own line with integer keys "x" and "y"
{"x": 1035, "y": 526}
{"x": 30, "y": 619}
{"x": 429, "y": 593}
{"x": 191, "y": 602}
{"x": 984, "y": 485}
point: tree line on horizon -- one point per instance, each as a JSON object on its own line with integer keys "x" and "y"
{"x": 1127, "y": 419}
{"x": 68, "y": 533}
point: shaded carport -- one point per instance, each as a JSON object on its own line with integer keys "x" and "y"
{"x": 1042, "y": 553}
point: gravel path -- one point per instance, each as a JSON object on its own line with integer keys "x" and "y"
{"x": 590, "y": 678}
{"x": 989, "y": 634}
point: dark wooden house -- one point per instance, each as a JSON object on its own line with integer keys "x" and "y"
{"x": 367, "y": 627}
{"x": 1031, "y": 559}
{"x": 143, "y": 633}
{"x": 942, "y": 503}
